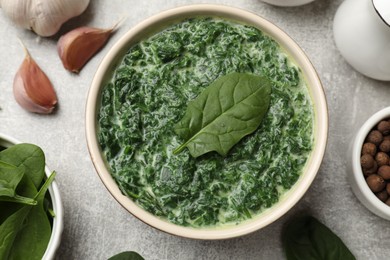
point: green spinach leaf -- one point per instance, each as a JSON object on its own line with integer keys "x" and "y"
{"x": 307, "y": 238}
{"x": 25, "y": 230}
{"x": 25, "y": 188}
{"x": 129, "y": 255}
{"x": 10, "y": 228}
{"x": 232, "y": 107}
{"x": 36, "y": 228}
{"x": 10, "y": 177}
{"x": 9, "y": 180}
{"x": 29, "y": 157}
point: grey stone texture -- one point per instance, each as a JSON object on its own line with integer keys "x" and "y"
{"x": 97, "y": 227}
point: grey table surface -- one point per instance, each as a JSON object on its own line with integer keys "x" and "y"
{"x": 97, "y": 227}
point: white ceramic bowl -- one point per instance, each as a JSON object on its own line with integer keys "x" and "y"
{"x": 355, "y": 173}
{"x": 58, "y": 222}
{"x": 156, "y": 23}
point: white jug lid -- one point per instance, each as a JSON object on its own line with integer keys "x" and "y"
{"x": 382, "y": 7}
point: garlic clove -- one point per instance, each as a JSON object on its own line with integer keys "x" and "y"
{"x": 32, "y": 88}
{"x": 78, "y": 46}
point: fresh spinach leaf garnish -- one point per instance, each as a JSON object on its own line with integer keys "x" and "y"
{"x": 129, "y": 255}
{"x": 307, "y": 238}
{"x": 25, "y": 230}
{"x": 232, "y": 107}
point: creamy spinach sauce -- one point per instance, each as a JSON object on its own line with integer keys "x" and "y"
{"x": 148, "y": 94}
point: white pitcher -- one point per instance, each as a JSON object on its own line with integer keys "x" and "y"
{"x": 362, "y": 34}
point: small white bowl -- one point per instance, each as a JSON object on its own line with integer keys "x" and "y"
{"x": 355, "y": 173}
{"x": 58, "y": 222}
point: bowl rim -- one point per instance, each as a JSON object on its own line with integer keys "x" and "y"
{"x": 316, "y": 92}
{"x": 366, "y": 195}
{"x": 287, "y": 3}
{"x": 58, "y": 224}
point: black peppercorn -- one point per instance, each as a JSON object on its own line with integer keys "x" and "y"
{"x": 368, "y": 172}
{"x": 382, "y": 195}
{"x": 369, "y": 148}
{"x": 384, "y": 172}
{"x": 367, "y": 161}
{"x": 385, "y": 146}
{"x": 376, "y": 183}
{"x": 384, "y": 127}
{"x": 375, "y": 137}
{"x": 382, "y": 158}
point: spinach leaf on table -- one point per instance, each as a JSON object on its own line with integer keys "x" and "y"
{"x": 307, "y": 238}
{"x": 232, "y": 107}
{"x": 10, "y": 177}
{"x": 36, "y": 228}
{"x": 28, "y": 156}
{"x": 129, "y": 255}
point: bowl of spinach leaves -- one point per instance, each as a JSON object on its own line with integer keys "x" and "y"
{"x": 31, "y": 213}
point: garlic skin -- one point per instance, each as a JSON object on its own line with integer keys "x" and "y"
{"x": 78, "y": 46}
{"x": 44, "y": 17}
{"x": 32, "y": 88}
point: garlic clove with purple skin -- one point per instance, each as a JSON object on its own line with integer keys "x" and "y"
{"x": 32, "y": 88}
{"x": 78, "y": 46}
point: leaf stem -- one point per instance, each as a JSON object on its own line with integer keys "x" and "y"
{"x": 21, "y": 200}
{"x": 51, "y": 212}
{"x": 180, "y": 148}
{"x": 45, "y": 186}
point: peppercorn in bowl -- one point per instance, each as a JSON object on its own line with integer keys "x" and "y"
{"x": 369, "y": 173}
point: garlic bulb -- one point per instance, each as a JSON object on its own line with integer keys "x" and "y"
{"x": 44, "y": 17}
{"x": 32, "y": 88}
